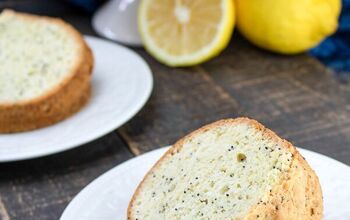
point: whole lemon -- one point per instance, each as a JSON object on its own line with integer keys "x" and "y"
{"x": 287, "y": 26}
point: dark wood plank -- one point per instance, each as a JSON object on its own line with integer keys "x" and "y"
{"x": 42, "y": 188}
{"x": 183, "y": 99}
{"x": 296, "y": 96}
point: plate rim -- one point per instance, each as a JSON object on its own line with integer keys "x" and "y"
{"x": 122, "y": 166}
{"x": 128, "y": 115}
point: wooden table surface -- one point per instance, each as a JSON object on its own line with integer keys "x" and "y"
{"x": 296, "y": 96}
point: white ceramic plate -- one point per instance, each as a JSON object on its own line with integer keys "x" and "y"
{"x": 121, "y": 84}
{"x": 107, "y": 197}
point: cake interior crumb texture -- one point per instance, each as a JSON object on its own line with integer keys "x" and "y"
{"x": 35, "y": 55}
{"x": 217, "y": 174}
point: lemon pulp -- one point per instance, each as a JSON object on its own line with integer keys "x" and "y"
{"x": 185, "y": 32}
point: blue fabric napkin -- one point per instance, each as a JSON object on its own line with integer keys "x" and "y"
{"x": 87, "y": 5}
{"x": 335, "y": 50}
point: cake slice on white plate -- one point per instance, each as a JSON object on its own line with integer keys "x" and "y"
{"x": 230, "y": 169}
{"x": 45, "y": 71}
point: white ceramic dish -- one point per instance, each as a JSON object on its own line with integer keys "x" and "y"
{"x": 107, "y": 197}
{"x": 121, "y": 84}
{"x": 117, "y": 20}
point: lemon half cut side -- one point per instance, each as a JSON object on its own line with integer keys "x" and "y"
{"x": 185, "y": 32}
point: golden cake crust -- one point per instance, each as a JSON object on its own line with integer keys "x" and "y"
{"x": 297, "y": 196}
{"x": 60, "y": 101}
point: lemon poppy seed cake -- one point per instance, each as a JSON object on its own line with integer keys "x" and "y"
{"x": 230, "y": 169}
{"x": 45, "y": 71}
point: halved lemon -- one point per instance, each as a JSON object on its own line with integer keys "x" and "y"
{"x": 185, "y": 32}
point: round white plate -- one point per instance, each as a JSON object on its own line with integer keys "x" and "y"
{"x": 121, "y": 84}
{"x": 107, "y": 197}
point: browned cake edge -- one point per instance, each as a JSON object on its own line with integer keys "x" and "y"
{"x": 58, "y": 103}
{"x": 297, "y": 196}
